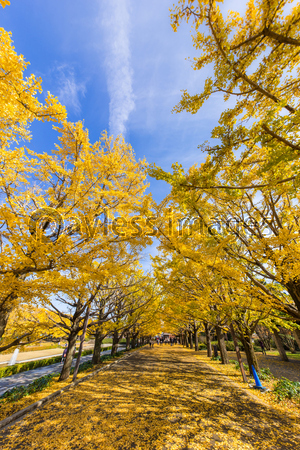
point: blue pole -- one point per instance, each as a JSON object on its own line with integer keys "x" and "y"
{"x": 256, "y": 379}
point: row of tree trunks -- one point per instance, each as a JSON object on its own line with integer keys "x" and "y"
{"x": 189, "y": 338}
{"x": 247, "y": 344}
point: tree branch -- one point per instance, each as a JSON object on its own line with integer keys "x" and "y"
{"x": 280, "y": 138}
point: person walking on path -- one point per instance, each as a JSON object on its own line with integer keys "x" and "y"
{"x": 64, "y": 355}
{"x": 262, "y": 347}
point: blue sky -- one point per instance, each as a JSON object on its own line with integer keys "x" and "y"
{"x": 118, "y": 65}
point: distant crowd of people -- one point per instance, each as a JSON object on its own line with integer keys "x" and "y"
{"x": 161, "y": 341}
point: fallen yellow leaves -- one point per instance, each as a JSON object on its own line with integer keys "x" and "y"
{"x": 159, "y": 399}
{"x": 7, "y": 409}
{"x": 285, "y": 406}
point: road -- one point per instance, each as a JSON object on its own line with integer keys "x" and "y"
{"x": 25, "y": 378}
{"x": 41, "y": 354}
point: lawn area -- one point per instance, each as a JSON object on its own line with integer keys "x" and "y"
{"x": 289, "y": 354}
{"x": 109, "y": 341}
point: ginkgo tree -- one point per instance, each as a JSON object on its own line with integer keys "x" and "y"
{"x": 70, "y": 219}
{"x": 62, "y": 209}
{"x": 255, "y": 60}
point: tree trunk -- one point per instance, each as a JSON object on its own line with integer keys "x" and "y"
{"x": 294, "y": 291}
{"x": 297, "y": 336}
{"x": 180, "y": 339}
{"x": 191, "y": 339}
{"x": 133, "y": 342}
{"x": 250, "y": 354}
{"x": 222, "y": 345}
{"x": 65, "y": 373}
{"x": 4, "y": 316}
{"x": 86, "y": 319}
{"x": 196, "y": 339}
{"x": 238, "y": 354}
{"x": 115, "y": 344}
{"x": 186, "y": 341}
{"x": 128, "y": 342}
{"x": 279, "y": 345}
{"x": 97, "y": 347}
{"x": 208, "y": 340}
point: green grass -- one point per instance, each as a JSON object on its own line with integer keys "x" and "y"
{"x": 285, "y": 388}
{"x": 289, "y": 354}
{"x": 293, "y": 355}
{"x": 109, "y": 341}
{"x": 24, "y": 367}
{"x": 19, "y": 392}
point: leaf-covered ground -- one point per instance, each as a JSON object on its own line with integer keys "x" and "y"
{"x": 161, "y": 398}
{"x": 286, "y": 406}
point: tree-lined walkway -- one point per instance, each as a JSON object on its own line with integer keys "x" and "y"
{"x": 161, "y": 398}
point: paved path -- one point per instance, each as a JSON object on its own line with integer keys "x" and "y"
{"x": 156, "y": 399}
{"x": 24, "y": 378}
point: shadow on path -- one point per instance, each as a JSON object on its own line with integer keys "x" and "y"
{"x": 161, "y": 398}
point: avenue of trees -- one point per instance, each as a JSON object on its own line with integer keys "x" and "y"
{"x": 75, "y": 219}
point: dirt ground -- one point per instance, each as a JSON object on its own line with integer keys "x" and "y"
{"x": 290, "y": 370}
{"x": 156, "y": 399}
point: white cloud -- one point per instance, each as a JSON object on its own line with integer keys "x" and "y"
{"x": 69, "y": 90}
{"x": 116, "y": 21}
